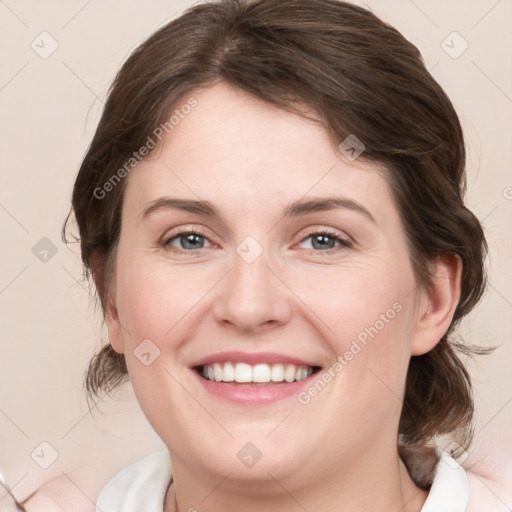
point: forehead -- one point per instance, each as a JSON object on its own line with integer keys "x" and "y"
{"x": 240, "y": 151}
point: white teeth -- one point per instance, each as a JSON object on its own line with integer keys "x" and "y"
{"x": 277, "y": 373}
{"x": 228, "y": 375}
{"x": 290, "y": 373}
{"x": 259, "y": 373}
{"x": 217, "y": 372}
{"x": 243, "y": 372}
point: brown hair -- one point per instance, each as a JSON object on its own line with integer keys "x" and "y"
{"x": 361, "y": 77}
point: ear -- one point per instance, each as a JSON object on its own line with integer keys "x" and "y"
{"x": 437, "y": 304}
{"x": 109, "y": 309}
{"x": 114, "y": 327}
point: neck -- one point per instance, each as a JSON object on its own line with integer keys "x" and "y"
{"x": 370, "y": 484}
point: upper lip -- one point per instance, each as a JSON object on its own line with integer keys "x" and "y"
{"x": 251, "y": 358}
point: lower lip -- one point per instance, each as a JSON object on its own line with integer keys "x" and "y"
{"x": 256, "y": 394}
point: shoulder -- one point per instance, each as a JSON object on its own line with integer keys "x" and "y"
{"x": 455, "y": 489}
{"x": 140, "y": 486}
{"x": 488, "y": 494}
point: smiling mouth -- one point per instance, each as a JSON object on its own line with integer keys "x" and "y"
{"x": 257, "y": 375}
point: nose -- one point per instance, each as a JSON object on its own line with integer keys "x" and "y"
{"x": 253, "y": 298}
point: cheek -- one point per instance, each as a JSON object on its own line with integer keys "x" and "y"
{"x": 350, "y": 299}
{"x": 153, "y": 299}
{"x": 155, "y": 305}
{"x": 366, "y": 315}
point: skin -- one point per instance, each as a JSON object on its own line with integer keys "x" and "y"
{"x": 251, "y": 160}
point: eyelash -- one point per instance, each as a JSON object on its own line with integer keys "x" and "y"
{"x": 343, "y": 242}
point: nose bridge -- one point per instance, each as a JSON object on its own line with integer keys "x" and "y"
{"x": 251, "y": 296}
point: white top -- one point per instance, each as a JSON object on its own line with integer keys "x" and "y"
{"x": 142, "y": 486}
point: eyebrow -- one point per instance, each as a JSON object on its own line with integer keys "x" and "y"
{"x": 294, "y": 209}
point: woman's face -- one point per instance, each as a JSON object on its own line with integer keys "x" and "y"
{"x": 299, "y": 264}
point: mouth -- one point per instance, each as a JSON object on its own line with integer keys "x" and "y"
{"x": 253, "y": 378}
{"x": 262, "y": 374}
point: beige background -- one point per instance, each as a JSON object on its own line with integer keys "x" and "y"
{"x": 49, "y": 325}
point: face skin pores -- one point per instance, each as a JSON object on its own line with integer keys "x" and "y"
{"x": 251, "y": 258}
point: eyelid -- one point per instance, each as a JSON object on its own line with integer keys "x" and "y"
{"x": 170, "y": 235}
{"x": 340, "y": 236}
{"x": 332, "y": 231}
{"x": 343, "y": 239}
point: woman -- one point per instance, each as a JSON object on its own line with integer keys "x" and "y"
{"x": 272, "y": 211}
